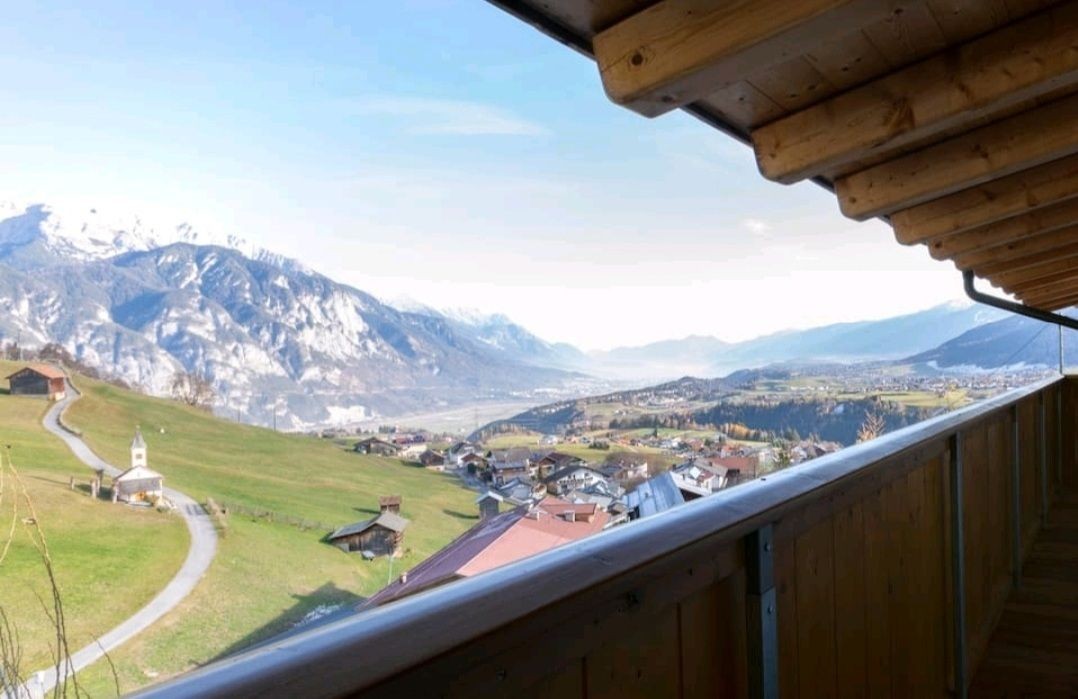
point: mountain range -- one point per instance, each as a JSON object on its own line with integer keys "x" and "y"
{"x": 280, "y": 341}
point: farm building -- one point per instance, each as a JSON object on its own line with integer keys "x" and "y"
{"x": 373, "y": 445}
{"x": 380, "y": 536}
{"x": 38, "y": 380}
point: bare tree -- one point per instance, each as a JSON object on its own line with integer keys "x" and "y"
{"x": 873, "y": 426}
{"x": 194, "y": 389}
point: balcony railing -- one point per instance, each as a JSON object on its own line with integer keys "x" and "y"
{"x": 880, "y": 570}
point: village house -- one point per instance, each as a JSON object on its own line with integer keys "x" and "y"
{"x": 38, "y": 380}
{"x": 379, "y": 536}
{"x": 655, "y": 495}
{"x": 572, "y": 478}
{"x": 625, "y": 471}
{"x": 433, "y": 460}
{"x": 412, "y": 451}
{"x": 139, "y": 483}
{"x": 459, "y": 450}
{"x": 376, "y": 446}
{"x": 555, "y": 461}
{"x": 496, "y": 541}
{"x": 521, "y": 491}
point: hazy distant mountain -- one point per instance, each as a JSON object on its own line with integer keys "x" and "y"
{"x": 1011, "y": 342}
{"x": 692, "y": 355}
{"x": 890, "y": 338}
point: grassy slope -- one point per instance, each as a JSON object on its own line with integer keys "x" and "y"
{"x": 109, "y": 560}
{"x": 267, "y": 574}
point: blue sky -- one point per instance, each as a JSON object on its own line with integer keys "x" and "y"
{"x": 441, "y": 151}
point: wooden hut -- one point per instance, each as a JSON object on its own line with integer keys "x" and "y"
{"x": 390, "y": 503}
{"x": 38, "y": 380}
{"x": 381, "y": 536}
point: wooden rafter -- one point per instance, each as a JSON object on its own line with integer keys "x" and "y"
{"x": 1009, "y": 230}
{"x": 679, "y": 51}
{"x": 1023, "y": 280}
{"x": 1016, "y": 253}
{"x": 1029, "y": 139}
{"x": 1019, "y": 193}
{"x": 1065, "y": 252}
{"x": 1010, "y": 66}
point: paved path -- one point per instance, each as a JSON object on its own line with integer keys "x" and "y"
{"x": 203, "y": 548}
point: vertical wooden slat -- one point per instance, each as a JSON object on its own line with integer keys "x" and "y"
{"x": 815, "y": 610}
{"x": 567, "y": 682}
{"x": 974, "y": 511}
{"x": 850, "y": 621}
{"x": 786, "y": 596}
{"x": 903, "y": 504}
{"x": 934, "y": 559}
{"x": 713, "y": 654}
{"x": 642, "y": 664}
{"x": 877, "y": 595}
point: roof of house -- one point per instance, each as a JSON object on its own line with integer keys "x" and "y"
{"x": 501, "y": 539}
{"x": 388, "y": 520}
{"x": 488, "y": 495}
{"x": 137, "y": 473}
{"x": 45, "y": 370}
{"x": 740, "y": 463}
{"x": 655, "y": 495}
{"x": 370, "y": 441}
{"x": 567, "y": 472}
{"x": 561, "y": 458}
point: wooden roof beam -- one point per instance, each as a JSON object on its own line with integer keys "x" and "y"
{"x": 1020, "y": 279}
{"x": 1048, "y": 297}
{"x": 679, "y": 51}
{"x": 1020, "y": 62}
{"x": 1002, "y": 148}
{"x": 1037, "y": 222}
{"x": 1065, "y": 252}
{"x": 993, "y": 201}
{"x": 1060, "y": 305}
{"x": 1015, "y": 253}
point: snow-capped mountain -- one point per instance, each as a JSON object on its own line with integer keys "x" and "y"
{"x": 38, "y": 235}
{"x": 273, "y": 336}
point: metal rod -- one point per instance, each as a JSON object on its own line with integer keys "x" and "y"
{"x": 1059, "y": 437}
{"x": 1060, "y": 349}
{"x": 1019, "y": 308}
{"x": 762, "y": 615}
{"x": 958, "y": 567}
{"x": 1016, "y": 506}
{"x": 1042, "y": 437}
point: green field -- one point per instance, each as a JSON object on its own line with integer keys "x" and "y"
{"x": 109, "y": 560}
{"x": 268, "y": 572}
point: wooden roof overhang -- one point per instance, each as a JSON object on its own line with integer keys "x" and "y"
{"x": 956, "y": 121}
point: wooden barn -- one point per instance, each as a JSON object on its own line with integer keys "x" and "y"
{"x": 390, "y": 503}
{"x": 378, "y": 447}
{"x": 380, "y": 536}
{"x": 38, "y": 380}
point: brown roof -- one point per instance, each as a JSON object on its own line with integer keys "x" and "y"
{"x": 45, "y": 370}
{"x": 504, "y": 538}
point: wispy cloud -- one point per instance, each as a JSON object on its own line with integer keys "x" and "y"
{"x": 756, "y": 226}
{"x": 426, "y": 115}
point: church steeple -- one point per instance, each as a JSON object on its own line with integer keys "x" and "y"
{"x": 138, "y": 449}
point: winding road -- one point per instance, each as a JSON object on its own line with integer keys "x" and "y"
{"x": 199, "y": 556}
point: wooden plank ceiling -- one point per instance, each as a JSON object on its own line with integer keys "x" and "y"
{"x": 956, "y": 121}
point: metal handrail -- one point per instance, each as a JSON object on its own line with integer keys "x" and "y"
{"x": 358, "y": 652}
